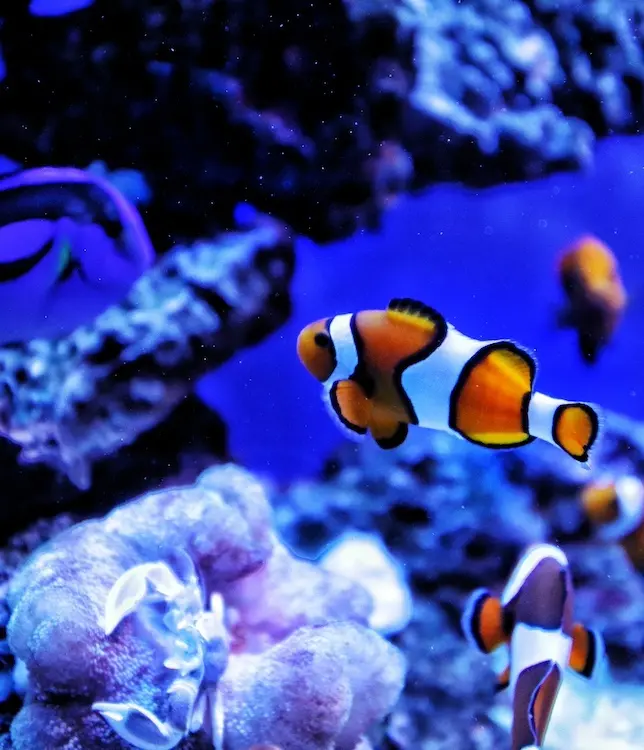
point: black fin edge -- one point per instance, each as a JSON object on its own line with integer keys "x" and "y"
{"x": 525, "y": 403}
{"x": 409, "y": 305}
{"x": 594, "y": 432}
{"x": 336, "y": 408}
{"x": 395, "y": 440}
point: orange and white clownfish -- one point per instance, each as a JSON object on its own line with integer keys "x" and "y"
{"x": 383, "y": 370}
{"x": 615, "y": 507}
{"x": 534, "y": 618}
{"x": 590, "y": 277}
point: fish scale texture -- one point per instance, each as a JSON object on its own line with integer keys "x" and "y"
{"x": 342, "y": 104}
{"x": 317, "y": 682}
{"x": 71, "y": 402}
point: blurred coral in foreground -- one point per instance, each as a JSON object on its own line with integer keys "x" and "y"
{"x": 179, "y": 620}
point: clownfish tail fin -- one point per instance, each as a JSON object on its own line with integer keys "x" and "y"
{"x": 576, "y": 428}
{"x": 587, "y": 653}
{"x": 482, "y": 621}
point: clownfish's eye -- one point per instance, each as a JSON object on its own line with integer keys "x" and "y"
{"x": 322, "y": 340}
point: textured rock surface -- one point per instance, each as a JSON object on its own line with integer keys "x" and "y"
{"x": 319, "y": 666}
{"x": 70, "y": 402}
{"x": 316, "y": 113}
{"x": 175, "y": 452}
{"x": 457, "y": 517}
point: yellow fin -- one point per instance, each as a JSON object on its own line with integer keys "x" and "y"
{"x": 417, "y": 312}
{"x": 489, "y": 404}
{"x": 516, "y": 364}
{"x": 575, "y": 429}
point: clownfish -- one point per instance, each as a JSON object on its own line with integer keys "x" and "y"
{"x": 383, "y": 370}
{"x": 615, "y": 507}
{"x": 590, "y": 277}
{"x": 533, "y": 617}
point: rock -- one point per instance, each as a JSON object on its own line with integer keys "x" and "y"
{"x": 191, "y": 438}
{"x": 296, "y": 664}
{"x": 69, "y": 403}
{"x": 457, "y": 517}
{"x": 341, "y": 106}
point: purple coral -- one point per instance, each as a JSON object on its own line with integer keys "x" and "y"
{"x": 179, "y": 618}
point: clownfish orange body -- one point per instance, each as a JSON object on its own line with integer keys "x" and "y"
{"x": 383, "y": 370}
{"x": 615, "y": 507}
{"x": 534, "y": 619}
{"x": 590, "y": 277}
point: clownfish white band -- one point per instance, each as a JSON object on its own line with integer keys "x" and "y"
{"x": 541, "y": 415}
{"x": 530, "y": 646}
{"x": 345, "y": 348}
{"x": 431, "y": 381}
{"x": 629, "y": 491}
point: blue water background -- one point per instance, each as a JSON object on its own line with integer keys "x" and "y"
{"x": 486, "y": 259}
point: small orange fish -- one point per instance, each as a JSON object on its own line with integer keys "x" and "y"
{"x": 590, "y": 277}
{"x": 534, "y": 619}
{"x": 615, "y": 507}
{"x": 383, "y": 370}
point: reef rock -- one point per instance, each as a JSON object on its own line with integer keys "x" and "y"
{"x": 286, "y": 659}
{"x": 320, "y": 113}
{"x": 71, "y": 402}
{"x": 457, "y": 517}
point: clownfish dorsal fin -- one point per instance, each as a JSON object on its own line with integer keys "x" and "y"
{"x": 416, "y": 312}
{"x": 587, "y": 653}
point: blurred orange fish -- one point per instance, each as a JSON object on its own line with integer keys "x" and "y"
{"x": 615, "y": 508}
{"x": 590, "y": 277}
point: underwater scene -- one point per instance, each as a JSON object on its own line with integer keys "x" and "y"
{"x": 321, "y": 375}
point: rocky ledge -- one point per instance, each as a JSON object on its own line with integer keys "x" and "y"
{"x": 316, "y": 113}
{"x": 92, "y": 397}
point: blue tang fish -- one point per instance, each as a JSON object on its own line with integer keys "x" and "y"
{"x": 71, "y": 246}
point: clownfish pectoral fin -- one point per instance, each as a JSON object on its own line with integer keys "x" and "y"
{"x": 388, "y": 432}
{"x": 490, "y": 401}
{"x": 587, "y": 653}
{"x": 349, "y": 407}
{"x": 502, "y": 680}
{"x": 417, "y": 312}
{"x": 482, "y": 621}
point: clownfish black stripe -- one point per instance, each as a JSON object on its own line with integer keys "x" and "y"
{"x": 422, "y": 354}
{"x": 360, "y": 374}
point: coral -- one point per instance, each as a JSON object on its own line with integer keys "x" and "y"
{"x": 189, "y": 440}
{"x": 341, "y": 105}
{"x": 180, "y": 613}
{"x": 70, "y": 402}
{"x": 456, "y": 518}
{"x": 365, "y": 559}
